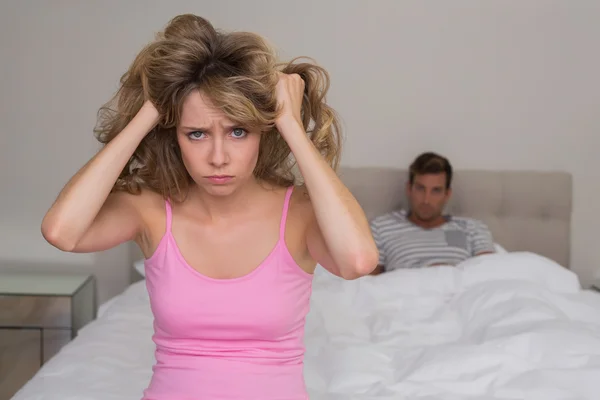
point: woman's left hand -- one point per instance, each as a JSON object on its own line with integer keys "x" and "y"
{"x": 289, "y": 93}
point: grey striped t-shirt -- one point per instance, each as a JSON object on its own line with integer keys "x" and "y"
{"x": 403, "y": 244}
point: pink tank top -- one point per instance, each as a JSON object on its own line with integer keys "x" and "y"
{"x": 238, "y": 338}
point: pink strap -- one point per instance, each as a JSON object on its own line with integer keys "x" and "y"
{"x": 169, "y": 214}
{"x": 286, "y": 205}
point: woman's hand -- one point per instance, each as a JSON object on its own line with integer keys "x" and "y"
{"x": 289, "y": 92}
{"x": 149, "y": 115}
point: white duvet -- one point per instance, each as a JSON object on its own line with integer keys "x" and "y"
{"x": 503, "y": 326}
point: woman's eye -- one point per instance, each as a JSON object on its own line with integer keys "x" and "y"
{"x": 238, "y": 133}
{"x": 195, "y": 135}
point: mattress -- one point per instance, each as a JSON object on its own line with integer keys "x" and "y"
{"x": 499, "y": 326}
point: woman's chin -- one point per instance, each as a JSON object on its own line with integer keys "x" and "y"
{"x": 223, "y": 189}
{"x": 219, "y": 190}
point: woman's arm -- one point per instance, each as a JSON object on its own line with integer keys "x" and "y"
{"x": 84, "y": 217}
{"x": 339, "y": 238}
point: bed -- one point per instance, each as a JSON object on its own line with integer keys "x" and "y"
{"x": 510, "y": 325}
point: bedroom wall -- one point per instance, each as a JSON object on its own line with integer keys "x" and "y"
{"x": 493, "y": 85}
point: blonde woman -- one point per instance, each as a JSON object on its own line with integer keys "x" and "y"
{"x": 200, "y": 142}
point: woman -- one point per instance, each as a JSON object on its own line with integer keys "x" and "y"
{"x": 197, "y": 170}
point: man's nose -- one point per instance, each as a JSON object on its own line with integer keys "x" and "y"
{"x": 427, "y": 198}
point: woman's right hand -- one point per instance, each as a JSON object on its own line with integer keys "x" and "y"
{"x": 149, "y": 112}
{"x": 148, "y": 117}
{"x": 86, "y": 217}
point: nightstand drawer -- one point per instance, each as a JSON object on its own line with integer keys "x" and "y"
{"x": 36, "y": 311}
{"x": 20, "y": 352}
{"x": 53, "y": 340}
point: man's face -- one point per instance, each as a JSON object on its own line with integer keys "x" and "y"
{"x": 428, "y": 196}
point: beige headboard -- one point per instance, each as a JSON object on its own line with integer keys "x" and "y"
{"x": 525, "y": 210}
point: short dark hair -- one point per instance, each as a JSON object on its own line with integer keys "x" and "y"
{"x": 430, "y": 163}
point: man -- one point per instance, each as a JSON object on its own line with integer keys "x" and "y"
{"x": 423, "y": 236}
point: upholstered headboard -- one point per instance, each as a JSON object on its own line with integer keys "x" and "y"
{"x": 525, "y": 210}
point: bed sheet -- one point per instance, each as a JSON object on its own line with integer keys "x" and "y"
{"x": 501, "y": 326}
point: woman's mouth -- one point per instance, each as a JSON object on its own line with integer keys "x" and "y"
{"x": 219, "y": 179}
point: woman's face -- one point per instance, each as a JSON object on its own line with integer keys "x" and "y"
{"x": 219, "y": 155}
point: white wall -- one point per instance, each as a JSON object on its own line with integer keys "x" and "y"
{"x": 491, "y": 84}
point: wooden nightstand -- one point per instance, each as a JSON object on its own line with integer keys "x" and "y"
{"x": 39, "y": 314}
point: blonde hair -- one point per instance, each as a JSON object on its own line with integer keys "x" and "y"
{"x": 238, "y": 72}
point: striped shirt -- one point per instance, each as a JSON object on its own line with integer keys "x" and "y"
{"x": 403, "y": 244}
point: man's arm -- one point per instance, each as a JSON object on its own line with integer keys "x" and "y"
{"x": 481, "y": 239}
{"x": 377, "y": 237}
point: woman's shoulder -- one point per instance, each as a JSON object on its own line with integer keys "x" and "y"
{"x": 301, "y": 195}
{"x": 299, "y": 205}
{"x": 151, "y": 208}
{"x": 300, "y": 202}
{"x": 149, "y": 205}
{"x": 144, "y": 199}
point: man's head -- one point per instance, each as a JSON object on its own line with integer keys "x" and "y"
{"x": 429, "y": 186}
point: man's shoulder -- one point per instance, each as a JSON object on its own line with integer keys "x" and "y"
{"x": 392, "y": 217}
{"x": 468, "y": 223}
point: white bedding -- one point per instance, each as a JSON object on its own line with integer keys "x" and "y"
{"x": 503, "y": 326}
